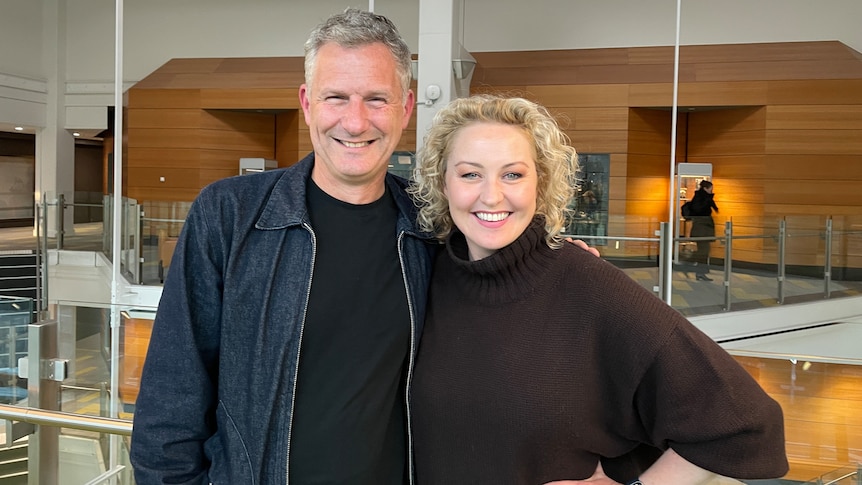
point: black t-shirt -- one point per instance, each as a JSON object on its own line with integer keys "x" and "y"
{"x": 349, "y": 424}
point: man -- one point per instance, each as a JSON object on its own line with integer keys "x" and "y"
{"x": 320, "y": 261}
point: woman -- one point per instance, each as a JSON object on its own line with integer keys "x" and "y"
{"x": 540, "y": 363}
{"x": 702, "y": 225}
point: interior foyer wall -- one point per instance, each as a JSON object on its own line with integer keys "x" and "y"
{"x": 762, "y": 114}
{"x": 781, "y": 124}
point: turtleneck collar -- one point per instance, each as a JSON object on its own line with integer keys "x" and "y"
{"x": 510, "y": 274}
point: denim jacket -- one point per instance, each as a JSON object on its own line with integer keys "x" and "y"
{"x": 217, "y": 388}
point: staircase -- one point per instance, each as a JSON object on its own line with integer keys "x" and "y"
{"x": 13, "y": 465}
{"x": 19, "y": 274}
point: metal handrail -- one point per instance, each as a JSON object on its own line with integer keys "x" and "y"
{"x": 66, "y": 420}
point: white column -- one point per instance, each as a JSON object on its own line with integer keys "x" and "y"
{"x": 437, "y": 39}
{"x": 55, "y": 147}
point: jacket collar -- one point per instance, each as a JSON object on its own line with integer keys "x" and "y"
{"x": 285, "y": 206}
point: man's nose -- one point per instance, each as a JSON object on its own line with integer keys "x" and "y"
{"x": 355, "y": 119}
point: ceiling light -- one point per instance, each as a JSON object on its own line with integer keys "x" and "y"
{"x": 76, "y": 134}
{"x": 19, "y": 128}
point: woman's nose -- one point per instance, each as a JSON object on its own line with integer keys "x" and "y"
{"x": 492, "y": 193}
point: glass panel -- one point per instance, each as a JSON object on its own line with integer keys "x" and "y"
{"x": 846, "y": 256}
{"x": 754, "y": 264}
{"x": 814, "y": 374}
{"x": 15, "y": 315}
{"x": 82, "y": 457}
{"x": 161, "y": 225}
{"x": 805, "y": 252}
{"x": 85, "y": 340}
{"x": 590, "y": 205}
{"x": 402, "y": 163}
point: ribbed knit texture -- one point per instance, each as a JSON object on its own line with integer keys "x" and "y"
{"x": 535, "y": 362}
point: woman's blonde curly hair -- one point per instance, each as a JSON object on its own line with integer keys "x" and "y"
{"x": 556, "y": 160}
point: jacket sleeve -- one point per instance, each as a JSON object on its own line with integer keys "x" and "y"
{"x": 696, "y": 399}
{"x": 175, "y": 409}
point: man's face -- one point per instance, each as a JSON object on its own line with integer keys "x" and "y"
{"x": 355, "y": 110}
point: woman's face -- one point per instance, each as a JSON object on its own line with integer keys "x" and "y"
{"x": 492, "y": 185}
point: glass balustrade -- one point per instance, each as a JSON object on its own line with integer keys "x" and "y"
{"x": 753, "y": 263}
{"x": 75, "y": 375}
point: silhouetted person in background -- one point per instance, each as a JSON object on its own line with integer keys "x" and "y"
{"x": 702, "y": 225}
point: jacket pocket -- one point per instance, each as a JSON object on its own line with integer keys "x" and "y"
{"x": 229, "y": 459}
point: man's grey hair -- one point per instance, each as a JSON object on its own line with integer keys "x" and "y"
{"x": 356, "y": 28}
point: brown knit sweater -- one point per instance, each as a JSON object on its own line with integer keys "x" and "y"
{"x": 536, "y": 363}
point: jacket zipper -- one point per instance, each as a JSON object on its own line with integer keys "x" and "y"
{"x": 410, "y": 363}
{"x": 299, "y": 349}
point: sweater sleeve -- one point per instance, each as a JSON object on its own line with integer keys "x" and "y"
{"x": 696, "y": 399}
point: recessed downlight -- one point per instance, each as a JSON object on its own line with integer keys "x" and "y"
{"x": 19, "y": 128}
{"x": 75, "y": 133}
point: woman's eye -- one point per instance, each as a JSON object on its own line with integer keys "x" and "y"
{"x": 512, "y": 176}
{"x": 470, "y": 175}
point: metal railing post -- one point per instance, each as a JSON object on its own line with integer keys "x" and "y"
{"x": 728, "y": 257}
{"x": 61, "y": 222}
{"x": 827, "y": 262}
{"x": 664, "y": 266}
{"x": 44, "y": 373}
{"x": 39, "y": 255}
{"x": 782, "y": 269}
{"x": 43, "y": 249}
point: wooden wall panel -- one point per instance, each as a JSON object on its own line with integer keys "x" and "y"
{"x": 514, "y": 91}
{"x": 161, "y": 194}
{"x": 175, "y": 118}
{"x": 729, "y": 167}
{"x": 163, "y": 157}
{"x": 176, "y": 177}
{"x": 815, "y": 192}
{"x": 802, "y": 208}
{"x": 734, "y": 196}
{"x": 647, "y": 189}
{"x": 580, "y": 96}
{"x": 164, "y": 98}
{"x": 815, "y": 142}
{"x": 815, "y": 117}
{"x": 231, "y": 120}
{"x": 599, "y": 141}
{"x": 163, "y": 138}
{"x": 713, "y": 144}
{"x": 238, "y": 141}
{"x": 824, "y": 92}
{"x": 238, "y": 98}
{"x": 602, "y": 118}
{"x": 752, "y": 93}
{"x": 647, "y": 165}
{"x": 209, "y": 175}
{"x": 222, "y": 158}
{"x": 287, "y": 129}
